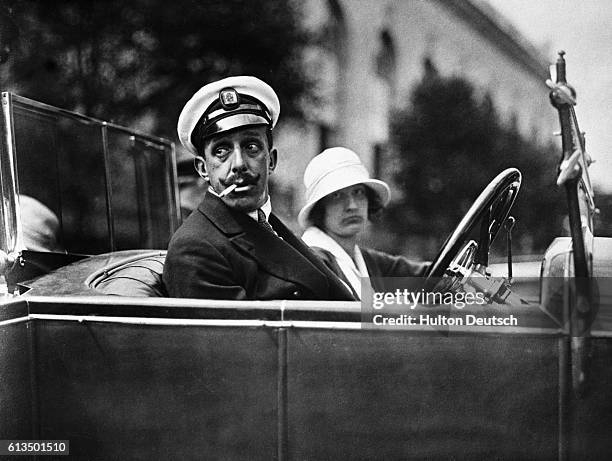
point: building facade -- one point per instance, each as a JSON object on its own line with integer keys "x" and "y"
{"x": 369, "y": 57}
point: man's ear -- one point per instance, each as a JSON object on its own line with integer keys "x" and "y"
{"x": 273, "y": 159}
{"x": 200, "y": 167}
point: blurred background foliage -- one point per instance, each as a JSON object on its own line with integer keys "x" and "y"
{"x": 451, "y": 143}
{"x": 136, "y": 63}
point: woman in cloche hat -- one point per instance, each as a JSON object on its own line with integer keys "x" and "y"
{"x": 340, "y": 198}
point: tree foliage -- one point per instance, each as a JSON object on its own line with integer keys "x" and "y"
{"x": 603, "y": 219}
{"x": 451, "y": 144}
{"x": 144, "y": 58}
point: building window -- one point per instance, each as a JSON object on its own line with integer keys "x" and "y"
{"x": 385, "y": 65}
{"x": 377, "y": 160}
{"x": 383, "y": 96}
{"x": 326, "y": 135}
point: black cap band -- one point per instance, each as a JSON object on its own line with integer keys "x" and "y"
{"x": 221, "y": 116}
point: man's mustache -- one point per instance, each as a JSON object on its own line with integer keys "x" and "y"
{"x": 241, "y": 180}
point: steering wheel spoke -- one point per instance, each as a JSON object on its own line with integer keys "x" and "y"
{"x": 458, "y": 257}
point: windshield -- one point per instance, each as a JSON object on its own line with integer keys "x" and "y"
{"x": 95, "y": 187}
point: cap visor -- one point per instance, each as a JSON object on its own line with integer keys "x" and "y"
{"x": 235, "y": 121}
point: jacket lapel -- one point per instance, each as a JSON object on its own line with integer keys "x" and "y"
{"x": 314, "y": 259}
{"x": 285, "y": 258}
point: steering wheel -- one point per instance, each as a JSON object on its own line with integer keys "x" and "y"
{"x": 491, "y": 209}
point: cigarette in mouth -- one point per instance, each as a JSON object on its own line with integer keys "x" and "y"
{"x": 229, "y": 190}
{"x": 233, "y": 188}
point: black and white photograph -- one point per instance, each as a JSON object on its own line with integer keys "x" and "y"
{"x": 306, "y": 230}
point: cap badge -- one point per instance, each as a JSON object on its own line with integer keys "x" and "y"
{"x": 229, "y": 98}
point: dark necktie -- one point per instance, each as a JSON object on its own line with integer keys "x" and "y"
{"x": 261, "y": 219}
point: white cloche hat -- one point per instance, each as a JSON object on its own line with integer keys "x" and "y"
{"x": 333, "y": 170}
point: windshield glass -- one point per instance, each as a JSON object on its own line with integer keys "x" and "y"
{"x": 91, "y": 186}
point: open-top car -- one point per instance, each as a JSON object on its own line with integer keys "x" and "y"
{"x": 93, "y": 351}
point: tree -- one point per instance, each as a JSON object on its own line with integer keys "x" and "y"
{"x": 603, "y": 219}
{"x": 141, "y": 60}
{"x": 451, "y": 145}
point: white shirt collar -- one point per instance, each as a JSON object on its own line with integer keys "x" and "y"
{"x": 353, "y": 270}
{"x": 266, "y": 207}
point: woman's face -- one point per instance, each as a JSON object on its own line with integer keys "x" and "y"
{"x": 346, "y": 211}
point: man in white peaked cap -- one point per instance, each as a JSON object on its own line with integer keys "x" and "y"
{"x": 232, "y": 246}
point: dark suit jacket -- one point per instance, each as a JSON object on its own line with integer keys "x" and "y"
{"x": 380, "y": 265}
{"x": 221, "y": 253}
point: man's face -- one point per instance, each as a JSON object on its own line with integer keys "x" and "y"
{"x": 241, "y": 157}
